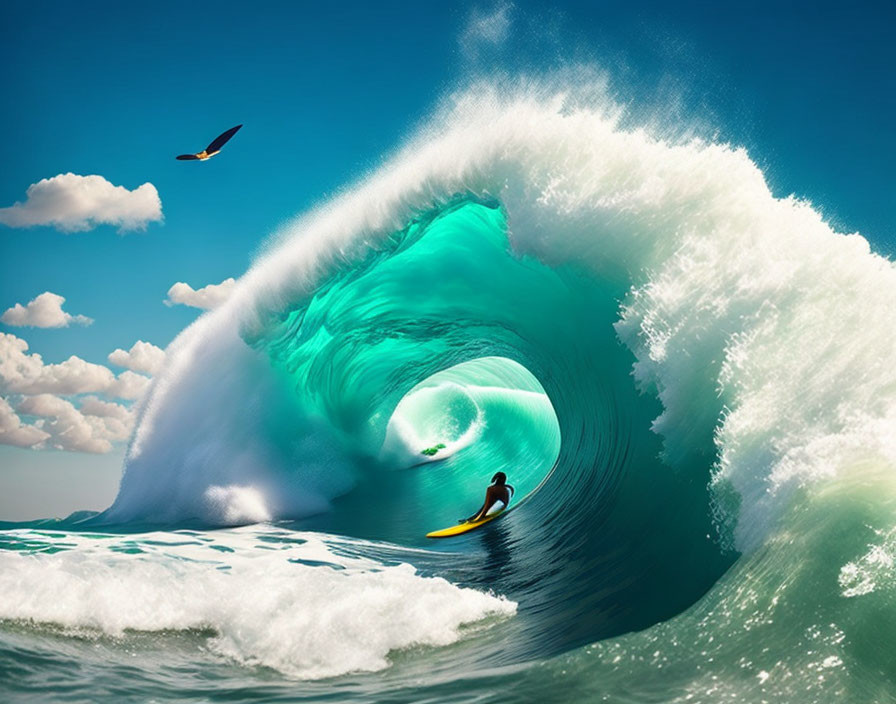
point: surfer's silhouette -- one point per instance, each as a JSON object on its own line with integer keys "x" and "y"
{"x": 212, "y": 148}
{"x": 497, "y": 497}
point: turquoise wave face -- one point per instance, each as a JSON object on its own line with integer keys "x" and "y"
{"x": 399, "y": 356}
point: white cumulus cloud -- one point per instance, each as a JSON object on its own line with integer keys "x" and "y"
{"x": 93, "y": 406}
{"x": 58, "y": 424}
{"x": 61, "y": 426}
{"x": 210, "y": 296}
{"x": 44, "y": 311}
{"x": 142, "y": 357}
{"x": 128, "y": 385}
{"x": 23, "y": 373}
{"x": 117, "y": 419}
{"x": 73, "y": 203}
{"x": 33, "y": 412}
{"x": 70, "y": 429}
{"x": 14, "y": 432}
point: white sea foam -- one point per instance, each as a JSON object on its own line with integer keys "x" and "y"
{"x": 270, "y": 599}
{"x": 748, "y": 314}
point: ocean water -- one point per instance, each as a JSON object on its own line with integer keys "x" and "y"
{"x": 688, "y": 380}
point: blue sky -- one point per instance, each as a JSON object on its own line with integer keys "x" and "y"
{"x": 325, "y": 93}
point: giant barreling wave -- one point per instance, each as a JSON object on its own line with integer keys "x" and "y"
{"x": 683, "y": 364}
{"x": 748, "y": 317}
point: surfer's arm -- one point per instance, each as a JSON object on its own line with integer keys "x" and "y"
{"x": 476, "y": 516}
{"x": 485, "y": 506}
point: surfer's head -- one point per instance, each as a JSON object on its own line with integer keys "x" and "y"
{"x": 500, "y": 478}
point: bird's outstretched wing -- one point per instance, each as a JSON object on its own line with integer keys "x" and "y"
{"x": 221, "y": 140}
{"x": 186, "y": 157}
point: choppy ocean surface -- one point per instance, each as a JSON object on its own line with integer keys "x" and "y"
{"x": 689, "y": 382}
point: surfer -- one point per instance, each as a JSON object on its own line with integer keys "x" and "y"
{"x": 497, "y": 497}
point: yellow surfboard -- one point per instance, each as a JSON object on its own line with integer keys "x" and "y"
{"x": 464, "y": 527}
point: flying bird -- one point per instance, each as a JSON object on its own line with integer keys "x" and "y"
{"x": 212, "y": 148}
